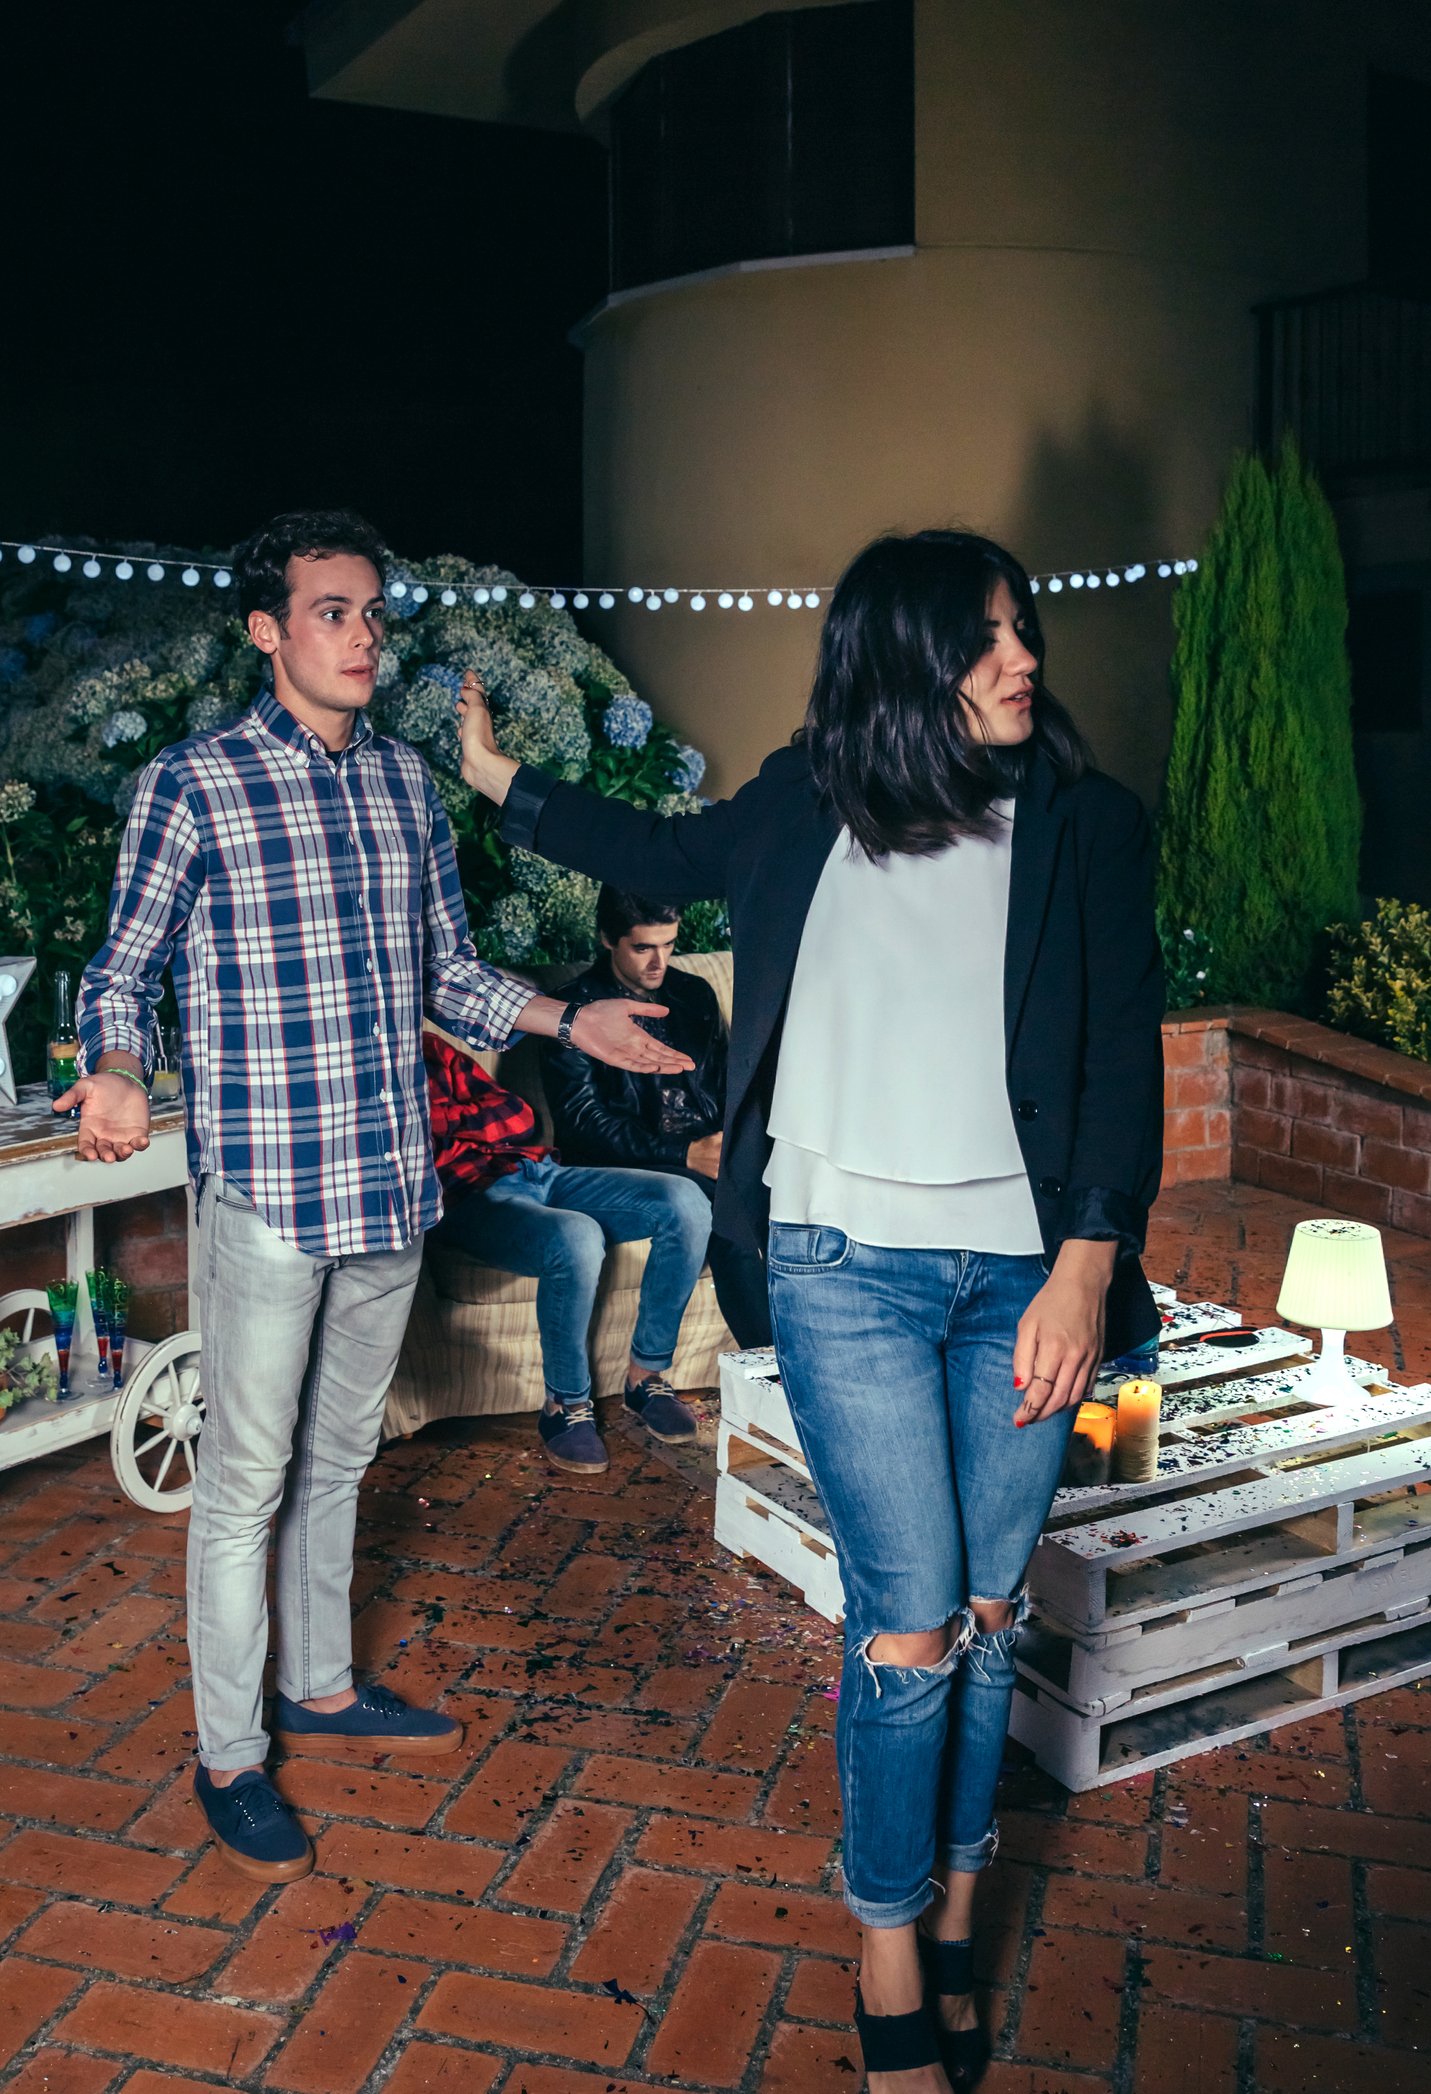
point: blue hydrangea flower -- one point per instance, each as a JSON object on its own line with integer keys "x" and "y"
{"x": 438, "y": 672}
{"x": 39, "y": 625}
{"x": 688, "y": 769}
{"x": 627, "y": 721}
{"x": 400, "y": 606}
{"x": 12, "y": 665}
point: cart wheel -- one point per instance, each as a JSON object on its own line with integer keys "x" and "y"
{"x": 24, "y": 1304}
{"x": 156, "y": 1421}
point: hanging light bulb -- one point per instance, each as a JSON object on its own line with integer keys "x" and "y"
{"x": 635, "y": 595}
{"x": 222, "y": 578}
{"x": 1164, "y": 570}
{"x": 671, "y": 595}
{"x": 795, "y": 601}
{"x": 1034, "y": 583}
{"x": 1055, "y": 583}
{"x": 481, "y": 596}
{"x": 1075, "y": 581}
{"x": 1192, "y": 566}
{"x": 124, "y": 570}
{"x": 1093, "y": 581}
{"x": 653, "y": 602}
{"x": 499, "y": 593}
{"x": 557, "y": 600}
{"x": 1180, "y": 567}
{"x": 606, "y": 600}
{"x": 775, "y": 599}
{"x": 527, "y": 601}
{"x": 419, "y": 594}
{"x": 449, "y": 597}
{"x": 25, "y": 555}
{"x": 399, "y": 589}
{"x": 90, "y": 568}
{"x": 1112, "y": 578}
{"x": 155, "y": 571}
{"x": 63, "y": 563}
{"x": 812, "y": 600}
{"x": 745, "y": 603}
{"x": 1131, "y": 574}
{"x": 698, "y": 602}
{"x": 190, "y": 577}
{"x": 725, "y": 599}
{"x": 580, "y": 600}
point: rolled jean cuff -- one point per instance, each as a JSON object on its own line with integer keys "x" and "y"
{"x": 562, "y": 1397}
{"x": 901, "y": 1915}
{"x": 314, "y": 1688}
{"x": 236, "y": 1757}
{"x": 649, "y": 1366}
{"x": 978, "y": 1855}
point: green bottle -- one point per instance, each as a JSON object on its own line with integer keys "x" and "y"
{"x": 62, "y": 1049}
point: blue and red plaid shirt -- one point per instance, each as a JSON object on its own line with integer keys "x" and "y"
{"x": 309, "y": 908}
{"x": 479, "y": 1131}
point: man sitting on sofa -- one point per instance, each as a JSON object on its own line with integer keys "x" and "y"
{"x": 607, "y": 1117}
{"x": 511, "y": 1204}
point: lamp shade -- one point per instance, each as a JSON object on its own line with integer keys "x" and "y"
{"x": 1336, "y": 1277}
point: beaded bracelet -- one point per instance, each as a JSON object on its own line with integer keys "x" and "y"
{"x": 126, "y": 1072}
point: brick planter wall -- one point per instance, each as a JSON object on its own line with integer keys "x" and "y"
{"x": 1283, "y": 1102}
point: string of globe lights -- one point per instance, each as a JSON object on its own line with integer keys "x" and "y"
{"x": 123, "y": 567}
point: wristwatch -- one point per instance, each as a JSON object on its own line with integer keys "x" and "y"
{"x": 565, "y": 1023}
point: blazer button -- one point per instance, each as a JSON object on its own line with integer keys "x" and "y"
{"x": 1027, "y": 1109}
{"x": 1050, "y": 1187}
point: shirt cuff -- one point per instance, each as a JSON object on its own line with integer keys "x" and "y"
{"x": 527, "y": 795}
{"x": 114, "y": 1038}
{"x": 1099, "y": 1214}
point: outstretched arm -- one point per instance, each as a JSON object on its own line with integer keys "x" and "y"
{"x": 678, "y": 858}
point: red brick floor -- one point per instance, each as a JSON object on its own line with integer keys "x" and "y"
{"x": 627, "y": 1877}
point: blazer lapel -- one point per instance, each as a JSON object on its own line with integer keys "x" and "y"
{"x": 1038, "y": 833}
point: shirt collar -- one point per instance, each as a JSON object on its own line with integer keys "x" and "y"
{"x": 275, "y": 717}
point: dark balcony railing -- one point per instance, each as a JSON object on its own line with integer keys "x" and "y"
{"x": 1349, "y": 373}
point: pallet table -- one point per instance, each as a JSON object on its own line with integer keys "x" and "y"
{"x": 159, "y": 1408}
{"x": 1278, "y": 1564}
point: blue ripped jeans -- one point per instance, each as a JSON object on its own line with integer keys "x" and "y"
{"x": 898, "y": 1368}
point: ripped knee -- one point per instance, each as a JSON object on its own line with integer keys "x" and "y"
{"x": 992, "y": 1615}
{"x": 924, "y": 1648}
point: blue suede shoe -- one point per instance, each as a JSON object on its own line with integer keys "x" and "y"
{"x": 378, "y": 1721}
{"x": 572, "y": 1440}
{"x": 254, "y": 1828}
{"x": 661, "y": 1410}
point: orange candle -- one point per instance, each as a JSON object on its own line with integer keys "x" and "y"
{"x": 1090, "y": 1448}
{"x": 1135, "y": 1442}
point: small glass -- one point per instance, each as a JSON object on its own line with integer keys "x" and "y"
{"x": 117, "y": 1303}
{"x": 164, "y": 1089}
{"x": 64, "y": 1301}
{"x": 97, "y": 1283}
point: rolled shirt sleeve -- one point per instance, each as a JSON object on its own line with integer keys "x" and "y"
{"x": 477, "y": 1002}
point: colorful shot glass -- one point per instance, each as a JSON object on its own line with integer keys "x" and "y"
{"x": 98, "y": 1284}
{"x": 118, "y": 1306}
{"x": 64, "y": 1301}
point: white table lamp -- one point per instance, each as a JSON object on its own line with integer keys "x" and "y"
{"x": 1335, "y": 1281}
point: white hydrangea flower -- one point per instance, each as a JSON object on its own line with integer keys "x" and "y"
{"x": 123, "y": 727}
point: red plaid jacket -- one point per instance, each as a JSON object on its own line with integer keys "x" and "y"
{"x": 479, "y": 1131}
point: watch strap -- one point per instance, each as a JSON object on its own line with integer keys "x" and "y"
{"x": 565, "y": 1023}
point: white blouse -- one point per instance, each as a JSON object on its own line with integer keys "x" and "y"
{"x": 891, "y": 1117}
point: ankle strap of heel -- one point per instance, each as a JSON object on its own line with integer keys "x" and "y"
{"x": 896, "y": 2042}
{"x": 948, "y": 1965}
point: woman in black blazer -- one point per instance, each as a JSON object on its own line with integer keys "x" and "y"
{"x": 939, "y": 797}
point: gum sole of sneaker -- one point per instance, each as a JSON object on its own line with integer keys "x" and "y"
{"x": 344, "y": 1741}
{"x": 672, "y": 1439}
{"x": 266, "y": 1871}
{"x": 576, "y": 1468}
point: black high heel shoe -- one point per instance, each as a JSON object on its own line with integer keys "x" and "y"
{"x": 897, "y": 2042}
{"x": 949, "y": 1969}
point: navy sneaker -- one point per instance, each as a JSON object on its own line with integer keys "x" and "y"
{"x": 572, "y": 1440}
{"x": 378, "y": 1720}
{"x": 661, "y": 1410}
{"x": 255, "y": 1829}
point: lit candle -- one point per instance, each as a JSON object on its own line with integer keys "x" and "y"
{"x": 1090, "y": 1449}
{"x": 1135, "y": 1444}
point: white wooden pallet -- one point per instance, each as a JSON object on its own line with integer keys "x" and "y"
{"x": 1206, "y": 1361}
{"x": 767, "y": 1510}
{"x": 752, "y": 1398}
{"x": 1192, "y": 1319}
{"x": 1085, "y": 1751}
{"x": 1146, "y": 1560}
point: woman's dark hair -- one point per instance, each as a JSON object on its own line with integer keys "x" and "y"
{"x": 890, "y": 742}
{"x": 618, "y": 911}
{"x": 261, "y": 562}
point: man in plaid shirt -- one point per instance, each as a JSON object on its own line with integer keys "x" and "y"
{"x": 296, "y": 874}
{"x": 513, "y": 1205}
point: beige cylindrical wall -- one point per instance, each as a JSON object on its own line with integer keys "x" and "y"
{"x": 1065, "y": 361}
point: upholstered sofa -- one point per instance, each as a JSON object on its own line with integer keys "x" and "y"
{"x": 472, "y": 1348}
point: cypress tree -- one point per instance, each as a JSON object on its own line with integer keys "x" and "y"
{"x": 1260, "y": 828}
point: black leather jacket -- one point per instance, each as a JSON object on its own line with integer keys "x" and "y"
{"x": 607, "y": 1116}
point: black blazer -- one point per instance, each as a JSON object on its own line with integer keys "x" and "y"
{"x": 608, "y": 1116}
{"x": 1083, "y": 985}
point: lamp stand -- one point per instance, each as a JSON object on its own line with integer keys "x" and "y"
{"x": 1330, "y": 1372}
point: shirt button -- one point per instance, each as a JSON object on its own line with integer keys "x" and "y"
{"x": 392, "y": 1155}
{"x": 1050, "y": 1187}
{"x": 382, "y": 1097}
{"x": 377, "y": 1032}
{"x": 369, "y": 965}
{"x": 1027, "y": 1109}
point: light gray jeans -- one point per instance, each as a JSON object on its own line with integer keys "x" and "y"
{"x": 298, "y": 1355}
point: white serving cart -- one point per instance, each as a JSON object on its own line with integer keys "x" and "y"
{"x": 157, "y": 1416}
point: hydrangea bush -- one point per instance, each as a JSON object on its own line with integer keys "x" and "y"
{"x": 97, "y": 676}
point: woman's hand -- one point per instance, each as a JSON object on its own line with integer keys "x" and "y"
{"x": 484, "y": 767}
{"x": 1060, "y": 1343}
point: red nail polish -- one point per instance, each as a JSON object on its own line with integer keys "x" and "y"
{"x": 1018, "y": 1381}
{"x": 1021, "y": 1423}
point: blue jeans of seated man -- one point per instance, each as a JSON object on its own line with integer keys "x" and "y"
{"x": 898, "y": 1367}
{"x": 554, "y": 1223}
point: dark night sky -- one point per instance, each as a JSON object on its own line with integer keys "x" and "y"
{"x": 225, "y": 299}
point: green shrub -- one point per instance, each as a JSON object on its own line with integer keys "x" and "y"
{"x": 1260, "y": 826}
{"x": 1381, "y": 978}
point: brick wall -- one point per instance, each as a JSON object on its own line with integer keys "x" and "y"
{"x": 144, "y": 1241}
{"x": 1283, "y": 1102}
